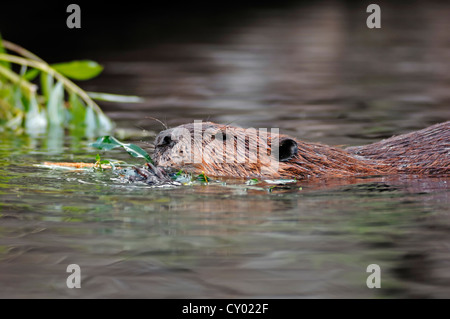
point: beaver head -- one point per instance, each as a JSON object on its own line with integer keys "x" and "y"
{"x": 224, "y": 150}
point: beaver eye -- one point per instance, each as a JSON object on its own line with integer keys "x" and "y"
{"x": 166, "y": 141}
{"x": 220, "y": 137}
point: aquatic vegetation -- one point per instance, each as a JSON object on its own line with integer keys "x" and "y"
{"x": 107, "y": 143}
{"x": 35, "y": 95}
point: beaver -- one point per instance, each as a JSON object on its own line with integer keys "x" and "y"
{"x": 229, "y": 151}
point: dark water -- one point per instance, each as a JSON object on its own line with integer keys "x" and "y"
{"x": 316, "y": 72}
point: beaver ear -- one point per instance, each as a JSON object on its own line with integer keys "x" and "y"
{"x": 288, "y": 149}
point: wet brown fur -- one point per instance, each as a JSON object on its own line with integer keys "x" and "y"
{"x": 422, "y": 152}
{"x": 425, "y": 152}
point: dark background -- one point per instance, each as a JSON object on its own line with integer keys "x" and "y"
{"x": 113, "y": 26}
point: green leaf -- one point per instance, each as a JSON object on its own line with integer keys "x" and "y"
{"x": 79, "y": 70}
{"x": 55, "y": 105}
{"x": 31, "y": 74}
{"x": 105, "y": 124}
{"x": 252, "y": 181}
{"x": 17, "y": 95}
{"x": 77, "y": 115}
{"x": 136, "y": 151}
{"x": 46, "y": 84}
{"x": 97, "y": 157}
{"x": 203, "y": 178}
{"x": 106, "y": 143}
{"x": 180, "y": 173}
{"x": 90, "y": 122}
{"x": 23, "y": 70}
{"x": 115, "y": 97}
{"x": 109, "y": 142}
{"x": 78, "y": 110}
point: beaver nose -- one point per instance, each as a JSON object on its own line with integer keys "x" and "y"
{"x": 164, "y": 139}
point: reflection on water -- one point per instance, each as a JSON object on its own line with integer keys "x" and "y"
{"x": 221, "y": 240}
{"x": 316, "y": 72}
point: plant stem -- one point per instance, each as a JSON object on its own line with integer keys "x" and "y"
{"x": 28, "y": 87}
{"x": 22, "y": 51}
{"x": 69, "y": 85}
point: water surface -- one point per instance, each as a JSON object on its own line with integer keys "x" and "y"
{"x": 314, "y": 71}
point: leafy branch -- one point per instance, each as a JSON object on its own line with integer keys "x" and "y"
{"x": 42, "y": 66}
{"x": 25, "y": 104}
